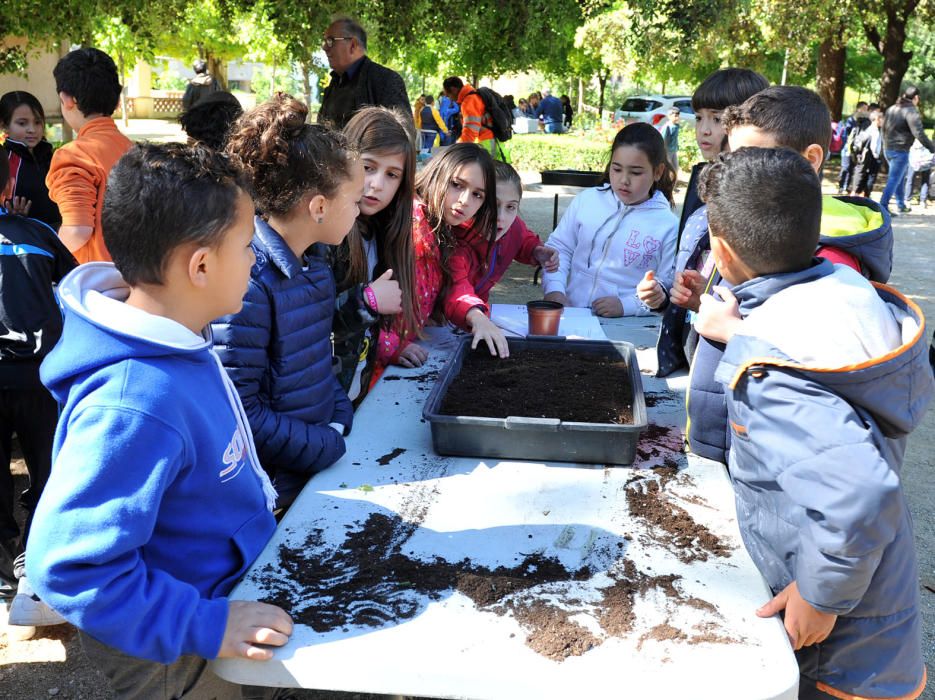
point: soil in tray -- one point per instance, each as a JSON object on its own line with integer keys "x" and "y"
{"x": 570, "y": 386}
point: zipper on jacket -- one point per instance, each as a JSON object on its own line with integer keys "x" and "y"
{"x": 606, "y": 247}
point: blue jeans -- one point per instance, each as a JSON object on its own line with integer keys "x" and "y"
{"x": 896, "y": 182}
{"x": 554, "y": 128}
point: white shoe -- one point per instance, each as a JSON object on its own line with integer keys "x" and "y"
{"x": 27, "y": 610}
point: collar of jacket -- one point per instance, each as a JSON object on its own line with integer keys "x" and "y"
{"x": 752, "y": 293}
{"x": 22, "y": 150}
{"x": 276, "y": 248}
{"x": 351, "y": 71}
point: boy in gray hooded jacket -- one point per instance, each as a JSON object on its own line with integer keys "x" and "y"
{"x": 826, "y": 375}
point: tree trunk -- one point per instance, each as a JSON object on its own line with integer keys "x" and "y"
{"x": 602, "y": 81}
{"x": 218, "y": 69}
{"x": 306, "y": 83}
{"x": 580, "y": 95}
{"x": 890, "y": 46}
{"x": 121, "y": 66}
{"x": 474, "y": 79}
{"x": 832, "y": 54}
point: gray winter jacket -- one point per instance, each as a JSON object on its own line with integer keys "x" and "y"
{"x": 903, "y": 124}
{"x": 815, "y": 458}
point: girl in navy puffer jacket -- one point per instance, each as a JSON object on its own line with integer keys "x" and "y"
{"x": 306, "y": 184}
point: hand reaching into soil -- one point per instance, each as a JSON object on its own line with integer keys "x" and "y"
{"x": 388, "y": 294}
{"x": 250, "y": 623}
{"x": 486, "y": 330}
{"x": 413, "y": 355}
{"x": 687, "y": 289}
{"x": 608, "y": 307}
{"x": 804, "y": 624}
{"x": 718, "y": 320}
{"x": 650, "y": 292}
{"x": 557, "y": 296}
{"x": 547, "y": 257}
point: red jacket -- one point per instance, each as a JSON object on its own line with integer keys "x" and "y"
{"x": 474, "y": 272}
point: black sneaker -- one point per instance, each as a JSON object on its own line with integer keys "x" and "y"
{"x": 905, "y": 209}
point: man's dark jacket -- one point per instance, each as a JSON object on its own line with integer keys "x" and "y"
{"x": 902, "y": 126}
{"x": 370, "y": 84}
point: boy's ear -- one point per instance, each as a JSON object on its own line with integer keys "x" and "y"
{"x": 68, "y": 102}
{"x": 317, "y": 208}
{"x": 199, "y": 266}
{"x": 815, "y": 155}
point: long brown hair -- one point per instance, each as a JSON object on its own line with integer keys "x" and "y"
{"x": 386, "y": 132}
{"x": 432, "y": 188}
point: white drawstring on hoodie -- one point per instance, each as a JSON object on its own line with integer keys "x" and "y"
{"x": 233, "y": 398}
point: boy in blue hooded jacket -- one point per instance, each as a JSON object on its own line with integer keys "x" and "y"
{"x": 825, "y": 377}
{"x": 157, "y": 503}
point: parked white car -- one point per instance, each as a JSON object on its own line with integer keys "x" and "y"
{"x": 654, "y": 109}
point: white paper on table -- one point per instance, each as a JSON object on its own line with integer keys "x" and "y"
{"x": 575, "y": 323}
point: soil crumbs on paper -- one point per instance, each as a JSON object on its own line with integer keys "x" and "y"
{"x": 369, "y": 581}
{"x": 562, "y": 384}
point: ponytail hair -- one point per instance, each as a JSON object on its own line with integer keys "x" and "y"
{"x": 647, "y": 139}
{"x": 286, "y": 157}
{"x": 383, "y": 131}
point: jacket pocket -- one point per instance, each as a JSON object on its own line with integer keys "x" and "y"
{"x": 245, "y": 546}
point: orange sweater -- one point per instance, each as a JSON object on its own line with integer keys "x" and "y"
{"x": 78, "y": 177}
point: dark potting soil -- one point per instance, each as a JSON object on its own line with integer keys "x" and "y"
{"x": 390, "y": 456}
{"x": 368, "y": 581}
{"x": 530, "y": 383}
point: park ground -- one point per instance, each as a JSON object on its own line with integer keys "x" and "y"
{"x": 51, "y": 664}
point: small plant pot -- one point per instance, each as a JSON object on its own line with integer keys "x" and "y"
{"x": 544, "y": 317}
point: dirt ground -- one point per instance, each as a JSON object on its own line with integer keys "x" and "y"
{"x": 51, "y": 664}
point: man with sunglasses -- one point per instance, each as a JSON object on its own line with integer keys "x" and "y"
{"x": 356, "y": 81}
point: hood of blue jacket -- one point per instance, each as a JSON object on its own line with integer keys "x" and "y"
{"x": 860, "y": 227}
{"x": 895, "y": 388}
{"x": 105, "y": 331}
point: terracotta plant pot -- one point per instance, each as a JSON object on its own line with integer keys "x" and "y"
{"x": 544, "y": 317}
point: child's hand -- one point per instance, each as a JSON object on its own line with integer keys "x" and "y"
{"x": 389, "y": 295}
{"x": 650, "y": 292}
{"x": 557, "y": 296}
{"x": 718, "y": 320}
{"x": 19, "y": 206}
{"x": 547, "y": 257}
{"x": 413, "y": 355}
{"x": 250, "y": 623}
{"x": 804, "y": 624}
{"x": 488, "y": 331}
{"x": 608, "y": 307}
{"x": 686, "y": 290}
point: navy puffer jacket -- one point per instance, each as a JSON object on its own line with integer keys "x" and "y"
{"x": 277, "y": 351}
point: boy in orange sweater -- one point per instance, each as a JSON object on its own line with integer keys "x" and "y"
{"x": 89, "y": 89}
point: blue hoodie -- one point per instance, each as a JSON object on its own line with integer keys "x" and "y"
{"x": 156, "y": 504}
{"x": 821, "y": 401}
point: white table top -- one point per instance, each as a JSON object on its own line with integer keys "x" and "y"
{"x": 495, "y": 513}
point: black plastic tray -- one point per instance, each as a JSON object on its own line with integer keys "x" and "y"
{"x": 540, "y": 439}
{"x": 571, "y": 178}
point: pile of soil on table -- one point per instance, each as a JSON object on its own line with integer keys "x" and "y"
{"x": 570, "y": 386}
{"x": 369, "y": 581}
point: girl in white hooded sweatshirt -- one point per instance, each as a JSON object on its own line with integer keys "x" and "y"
{"x": 617, "y": 242}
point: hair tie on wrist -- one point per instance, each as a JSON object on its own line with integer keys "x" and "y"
{"x": 371, "y": 300}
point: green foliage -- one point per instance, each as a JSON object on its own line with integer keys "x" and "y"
{"x": 13, "y": 60}
{"x": 169, "y": 80}
{"x": 536, "y": 152}
{"x": 264, "y": 85}
{"x": 689, "y": 153}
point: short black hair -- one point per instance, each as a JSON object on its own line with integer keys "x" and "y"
{"x": 200, "y": 66}
{"x": 859, "y": 103}
{"x": 910, "y": 93}
{"x": 161, "y": 196}
{"x": 209, "y": 120}
{"x": 90, "y": 76}
{"x": 453, "y": 82}
{"x": 4, "y": 170}
{"x": 794, "y": 116}
{"x": 726, "y": 87}
{"x": 766, "y": 204}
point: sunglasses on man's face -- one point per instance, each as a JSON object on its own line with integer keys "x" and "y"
{"x": 328, "y": 41}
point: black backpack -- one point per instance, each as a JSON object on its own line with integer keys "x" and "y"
{"x": 500, "y": 115}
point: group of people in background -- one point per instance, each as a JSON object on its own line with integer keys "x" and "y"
{"x": 243, "y": 293}
{"x": 871, "y": 135}
{"x": 555, "y": 114}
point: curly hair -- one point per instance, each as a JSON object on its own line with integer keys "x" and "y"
{"x": 286, "y": 157}
{"x": 209, "y": 120}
